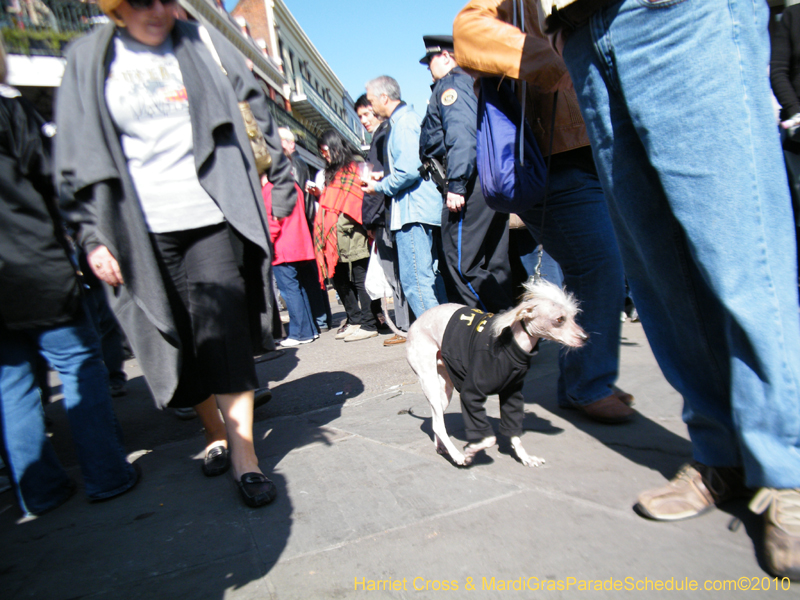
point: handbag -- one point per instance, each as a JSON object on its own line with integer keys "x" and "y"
{"x": 511, "y": 168}
{"x": 512, "y": 171}
{"x": 263, "y": 159}
{"x": 257, "y": 142}
{"x": 375, "y": 283}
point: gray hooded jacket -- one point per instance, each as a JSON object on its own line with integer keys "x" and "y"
{"x": 98, "y": 197}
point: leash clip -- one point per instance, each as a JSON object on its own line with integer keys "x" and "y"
{"x": 537, "y": 271}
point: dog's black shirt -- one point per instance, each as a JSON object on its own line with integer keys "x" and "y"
{"x": 480, "y": 365}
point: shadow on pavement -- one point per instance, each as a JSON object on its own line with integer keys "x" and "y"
{"x": 177, "y": 534}
{"x": 642, "y": 441}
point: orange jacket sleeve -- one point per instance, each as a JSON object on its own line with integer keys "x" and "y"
{"x": 486, "y": 43}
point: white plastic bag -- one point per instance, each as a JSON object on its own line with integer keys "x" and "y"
{"x": 375, "y": 283}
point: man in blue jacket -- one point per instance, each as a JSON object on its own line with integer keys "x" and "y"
{"x": 375, "y": 215}
{"x": 416, "y": 203}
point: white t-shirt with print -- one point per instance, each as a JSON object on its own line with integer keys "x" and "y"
{"x": 148, "y": 103}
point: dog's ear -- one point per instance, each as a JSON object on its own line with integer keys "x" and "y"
{"x": 527, "y": 311}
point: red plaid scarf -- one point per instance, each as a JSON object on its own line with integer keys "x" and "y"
{"x": 343, "y": 195}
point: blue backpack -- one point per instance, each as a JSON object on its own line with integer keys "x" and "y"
{"x": 512, "y": 171}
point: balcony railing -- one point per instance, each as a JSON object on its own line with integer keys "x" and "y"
{"x": 321, "y": 114}
{"x": 45, "y": 27}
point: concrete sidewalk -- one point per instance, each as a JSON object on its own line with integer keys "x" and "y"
{"x": 367, "y": 509}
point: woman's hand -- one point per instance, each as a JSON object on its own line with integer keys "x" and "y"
{"x": 311, "y": 188}
{"x": 105, "y": 266}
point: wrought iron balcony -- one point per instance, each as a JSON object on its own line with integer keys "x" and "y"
{"x": 309, "y": 104}
{"x": 45, "y": 27}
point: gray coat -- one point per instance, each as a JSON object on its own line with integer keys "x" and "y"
{"x": 99, "y": 199}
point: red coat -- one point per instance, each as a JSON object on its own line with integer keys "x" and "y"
{"x": 290, "y": 237}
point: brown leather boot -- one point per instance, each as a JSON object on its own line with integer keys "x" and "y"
{"x": 610, "y": 410}
{"x": 624, "y": 396}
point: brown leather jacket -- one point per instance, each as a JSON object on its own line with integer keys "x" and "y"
{"x": 487, "y": 43}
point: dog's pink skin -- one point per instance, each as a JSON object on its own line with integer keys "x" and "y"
{"x": 545, "y": 311}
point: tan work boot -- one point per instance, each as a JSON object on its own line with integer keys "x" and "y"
{"x": 781, "y": 529}
{"x": 694, "y": 490}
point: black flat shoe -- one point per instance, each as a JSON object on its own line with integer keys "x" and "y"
{"x": 256, "y": 489}
{"x": 217, "y": 461}
{"x": 261, "y": 396}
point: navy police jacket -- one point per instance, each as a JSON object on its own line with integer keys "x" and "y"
{"x": 449, "y": 129}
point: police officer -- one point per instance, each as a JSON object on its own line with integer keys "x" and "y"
{"x": 474, "y": 237}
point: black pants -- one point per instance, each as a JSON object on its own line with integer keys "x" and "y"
{"x": 208, "y": 301}
{"x": 475, "y": 243}
{"x": 387, "y": 254}
{"x": 791, "y": 154}
{"x": 348, "y": 279}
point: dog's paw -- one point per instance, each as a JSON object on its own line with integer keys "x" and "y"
{"x": 471, "y": 449}
{"x": 460, "y": 459}
{"x": 525, "y": 458}
{"x": 532, "y": 461}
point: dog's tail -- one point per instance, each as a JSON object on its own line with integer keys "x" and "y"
{"x": 389, "y": 322}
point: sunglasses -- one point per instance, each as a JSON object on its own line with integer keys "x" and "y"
{"x": 147, "y": 4}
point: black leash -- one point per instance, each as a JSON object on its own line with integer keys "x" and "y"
{"x": 537, "y": 272}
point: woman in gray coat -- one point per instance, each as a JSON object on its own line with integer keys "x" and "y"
{"x": 155, "y": 171}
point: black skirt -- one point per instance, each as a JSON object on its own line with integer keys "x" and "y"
{"x": 207, "y": 296}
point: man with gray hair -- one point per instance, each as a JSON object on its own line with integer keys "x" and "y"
{"x": 300, "y": 171}
{"x": 416, "y": 203}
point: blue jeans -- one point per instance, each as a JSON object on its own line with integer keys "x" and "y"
{"x": 109, "y": 331}
{"x": 296, "y": 281}
{"x": 676, "y": 99}
{"x": 73, "y": 350}
{"x": 320, "y": 305}
{"x": 528, "y": 256}
{"x": 579, "y": 235}
{"x": 419, "y": 271}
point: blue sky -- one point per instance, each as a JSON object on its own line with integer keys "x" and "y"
{"x": 362, "y": 39}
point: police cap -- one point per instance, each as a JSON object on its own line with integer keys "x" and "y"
{"x": 435, "y": 44}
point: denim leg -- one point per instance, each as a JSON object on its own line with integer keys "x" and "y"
{"x": 528, "y": 256}
{"x": 40, "y": 481}
{"x": 579, "y": 235}
{"x": 307, "y": 275}
{"x": 416, "y": 255}
{"x": 320, "y": 305}
{"x": 676, "y": 100}
{"x": 301, "y": 323}
{"x": 74, "y": 351}
{"x": 387, "y": 254}
{"x": 109, "y": 331}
